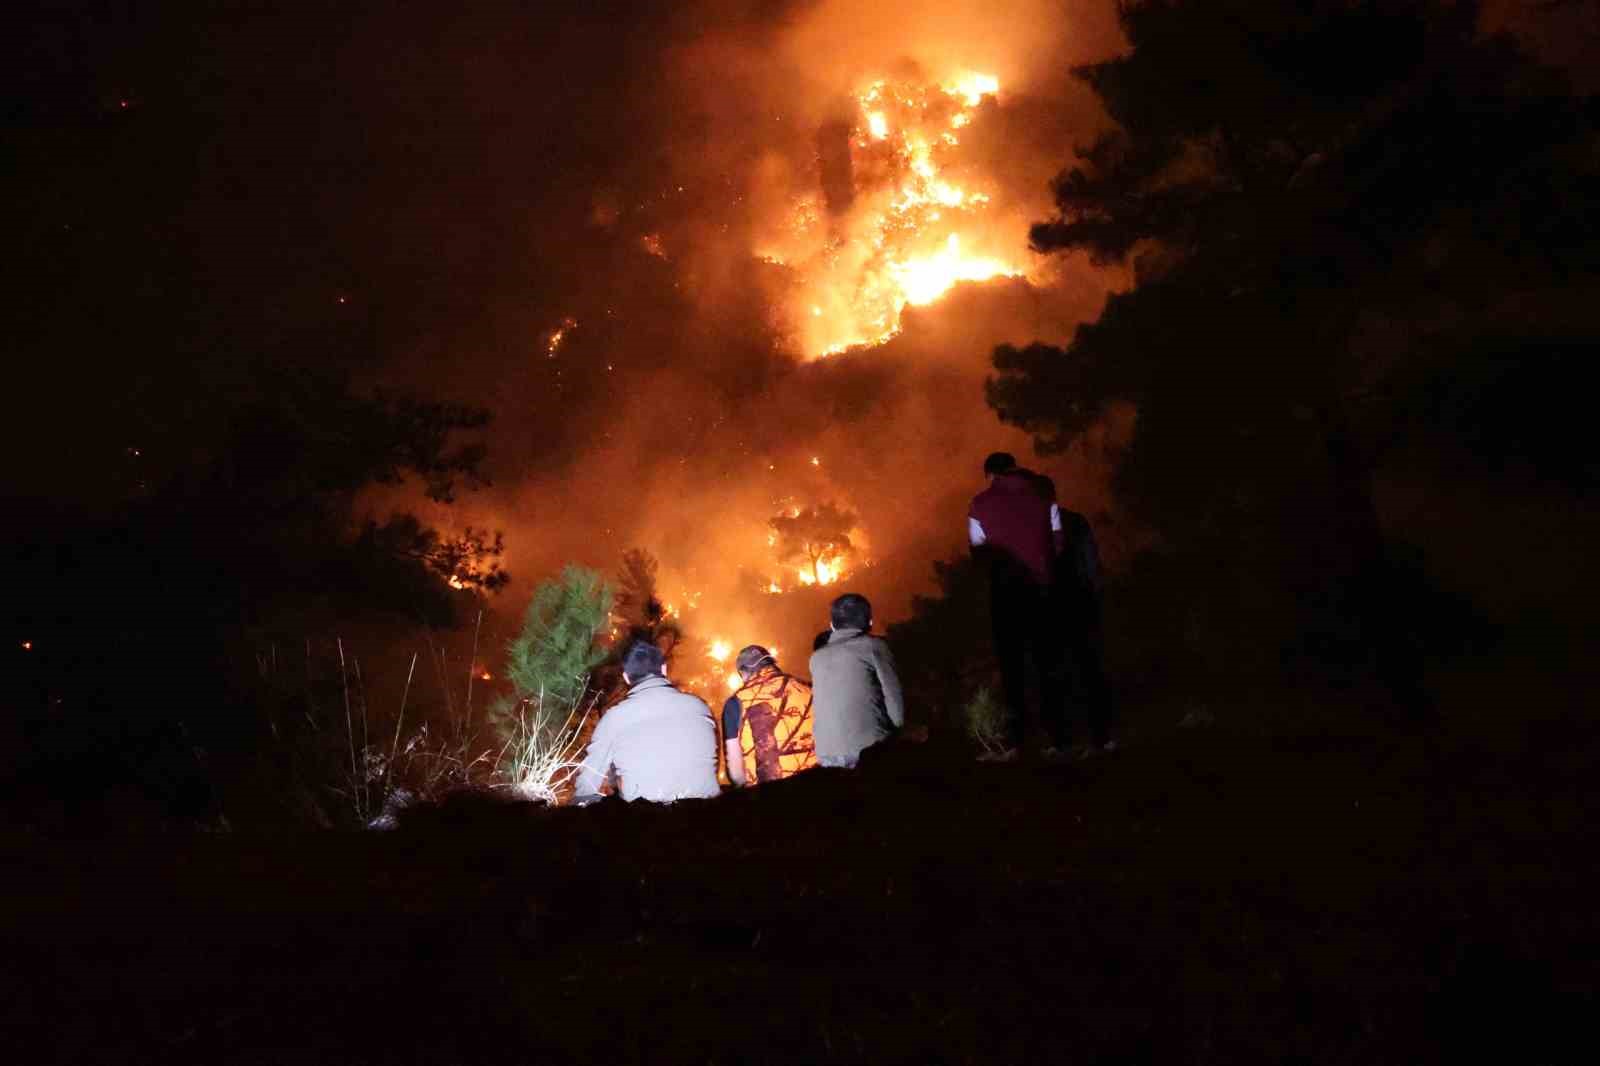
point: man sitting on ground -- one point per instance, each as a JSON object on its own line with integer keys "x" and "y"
{"x": 658, "y": 744}
{"x": 766, "y": 723}
{"x": 858, "y": 701}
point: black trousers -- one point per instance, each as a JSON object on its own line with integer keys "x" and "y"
{"x": 1059, "y": 632}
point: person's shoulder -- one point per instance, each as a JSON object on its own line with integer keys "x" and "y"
{"x": 681, "y": 696}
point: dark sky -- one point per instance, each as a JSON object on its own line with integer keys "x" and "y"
{"x": 205, "y": 181}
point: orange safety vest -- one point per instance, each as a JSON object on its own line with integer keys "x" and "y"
{"x": 775, "y": 727}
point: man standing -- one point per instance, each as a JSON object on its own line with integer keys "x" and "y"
{"x": 1077, "y": 596}
{"x": 766, "y": 723}
{"x": 1039, "y": 571}
{"x": 858, "y": 698}
{"x": 658, "y": 744}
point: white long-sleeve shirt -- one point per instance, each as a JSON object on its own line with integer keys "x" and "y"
{"x": 976, "y": 535}
{"x": 660, "y": 742}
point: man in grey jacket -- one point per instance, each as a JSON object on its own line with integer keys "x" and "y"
{"x": 856, "y": 699}
{"x": 658, "y": 744}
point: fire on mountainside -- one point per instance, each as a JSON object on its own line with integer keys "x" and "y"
{"x": 919, "y": 221}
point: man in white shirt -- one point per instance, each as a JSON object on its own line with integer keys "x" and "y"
{"x": 658, "y": 744}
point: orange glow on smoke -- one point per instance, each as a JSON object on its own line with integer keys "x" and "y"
{"x": 918, "y": 224}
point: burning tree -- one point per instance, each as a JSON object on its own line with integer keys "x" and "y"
{"x": 639, "y": 601}
{"x": 897, "y": 180}
{"x": 818, "y": 535}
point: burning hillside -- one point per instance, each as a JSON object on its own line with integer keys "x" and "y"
{"x": 898, "y": 215}
{"x": 852, "y": 182}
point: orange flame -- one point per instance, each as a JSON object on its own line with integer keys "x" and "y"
{"x": 907, "y": 239}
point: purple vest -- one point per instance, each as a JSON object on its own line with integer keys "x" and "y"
{"x": 1015, "y": 515}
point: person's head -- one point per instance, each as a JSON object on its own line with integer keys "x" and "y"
{"x": 851, "y": 611}
{"x": 642, "y": 659}
{"x": 752, "y": 659}
{"x": 999, "y": 463}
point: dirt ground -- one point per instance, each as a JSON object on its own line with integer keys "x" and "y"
{"x": 1211, "y": 896}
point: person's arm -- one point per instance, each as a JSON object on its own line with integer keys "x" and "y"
{"x": 975, "y": 534}
{"x": 730, "y": 740}
{"x": 1057, "y": 533}
{"x": 893, "y": 699}
{"x": 596, "y": 769}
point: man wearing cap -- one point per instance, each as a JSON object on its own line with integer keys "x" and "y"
{"x": 658, "y": 744}
{"x": 766, "y": 723}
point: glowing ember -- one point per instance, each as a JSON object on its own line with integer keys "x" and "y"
{"x": 719, "y": 651}
{"x": 734, "y": 681}
{"x": 567, "y": 326}
{"x": 456, "y": 583}
{"x": 917, "y": 226}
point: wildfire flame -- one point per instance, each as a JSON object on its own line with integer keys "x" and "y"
{"x": 912, "y": 230}
{"x": 826, "y": 572}
{"x": 925, "y": 280}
